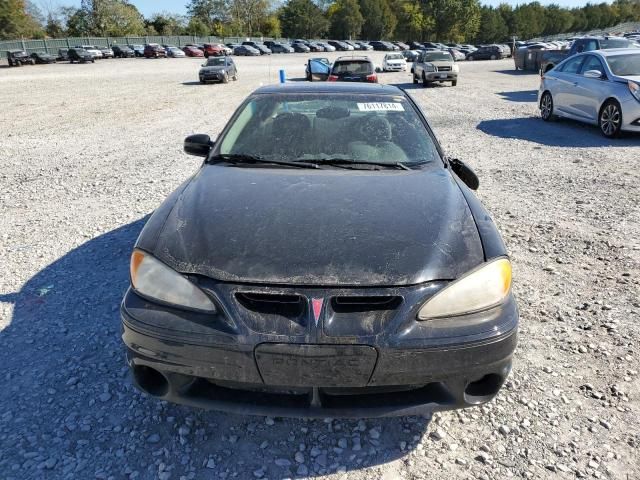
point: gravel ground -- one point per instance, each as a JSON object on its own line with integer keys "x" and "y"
{"x": 87, "y": 151}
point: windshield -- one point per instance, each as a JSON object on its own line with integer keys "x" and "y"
{"x": 624, "y": 65}
{"x": 395, "y": 56}
{"x": 306, "y": 127}
{"x": 215, "y": 62}
{"x": 437, "y": 57}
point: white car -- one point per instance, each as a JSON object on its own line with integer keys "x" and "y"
{"x": 95, "y": 53}
{"x": 601, "y": 87}
{"x": 394, "y": 62}
{"x": 175, "y": 52}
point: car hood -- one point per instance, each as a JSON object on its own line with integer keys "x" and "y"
{"x": 320, "y": 227}
{"x": 633, "y": 78}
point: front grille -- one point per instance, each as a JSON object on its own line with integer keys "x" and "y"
{"x": 271, "y": 312}
{"x": 360, "y": 315}
{"x": 444, "y": 69}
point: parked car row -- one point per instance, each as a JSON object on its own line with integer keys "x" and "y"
{"x": 268, "y": 47}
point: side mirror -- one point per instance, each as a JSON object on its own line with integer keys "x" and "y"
{"x": 465, "y": 173}
{"x": 593, "y": 74}
{"x": 199, "y": 145}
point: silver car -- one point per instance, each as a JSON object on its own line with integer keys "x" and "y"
{"x": 601, "y": 87}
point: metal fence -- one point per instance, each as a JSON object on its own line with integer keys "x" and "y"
{"x": 620, "y": 28}
{"x": 54, "y": 44}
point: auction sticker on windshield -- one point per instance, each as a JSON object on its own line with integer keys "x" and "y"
{"x": 380, "y": 107}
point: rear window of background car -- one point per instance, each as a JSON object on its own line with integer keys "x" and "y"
{"x": 614, "y": 43}
{"x": 359, "y": 67}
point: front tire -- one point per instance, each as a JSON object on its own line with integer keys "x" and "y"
{"x": 610, "y": 119}
{"x": 454, "y": 83}
{"x": 493, "y": 57}
{"x": 425, "y": 83}
{"x": 546, "y": 107}
{"x": 225, "y": 79}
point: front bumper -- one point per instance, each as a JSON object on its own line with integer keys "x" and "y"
{"x": 441, "y": 76}
{"x": 396, "y": 68}
{"x": 211, "y": 77}
{"x": 282, "y": 365}
{"x": 630, "y": 115}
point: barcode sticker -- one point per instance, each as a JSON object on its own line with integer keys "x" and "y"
{"x": 380, "y": 107}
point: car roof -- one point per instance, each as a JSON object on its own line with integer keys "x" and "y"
{"x": 330, "y": 87}
{"x": 361, "y": 58}
{"x": 615, "y": 51}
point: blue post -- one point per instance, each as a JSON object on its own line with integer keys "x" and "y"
{"x": 283, "y": 78}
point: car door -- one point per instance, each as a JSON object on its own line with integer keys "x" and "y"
{"x": 566, "y": 79}
{"x": 318, "y": 70}
{"x": 588, "y": 91}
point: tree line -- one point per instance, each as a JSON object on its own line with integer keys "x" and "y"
{"x": 423, "y": 20}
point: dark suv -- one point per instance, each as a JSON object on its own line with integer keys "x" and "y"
{"x": 353, "y": 69}
{"x": 122, "y": 51}
{"x": 153, "y": 50}
{"x": 17, "y": 58}
{"x": 80, "y": 55}
{"x": 489, "y": 52}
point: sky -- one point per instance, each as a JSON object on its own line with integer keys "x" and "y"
{"x": 149, "y": 7}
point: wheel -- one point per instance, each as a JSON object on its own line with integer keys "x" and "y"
{"x": 225, "y": 79}
{"x": 235, "y": 77}
{"x": 424, "y": 81}
{"x": 93, "y": 60}
{"x": 202, "y": 81}
{"x": 546, "y": 107}
{"x": 493, "y": 57}
{"x": 415, "y": 80}
{"x": 610, "y": 119}
{"x": 472, "y": 58}
{"x": 454, "y": 83}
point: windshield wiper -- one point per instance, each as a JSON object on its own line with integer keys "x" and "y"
{"x": 237, "y": 158}
{"x": 344, "y": 161}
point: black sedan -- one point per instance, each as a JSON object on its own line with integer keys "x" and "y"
{"x": 43, "y": 57}
{"x": 245, "y": 50}
{"x": 326, "y": 259}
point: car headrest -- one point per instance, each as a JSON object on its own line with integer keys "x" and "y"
{"x": 288, "y": 123}
{"x": 376, "y": 129}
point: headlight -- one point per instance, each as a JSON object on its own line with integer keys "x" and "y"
{"x": 480, "y": 289}
{"x": 155, "y": 280}
{"x": 222, "y": 71}
{"x": 634, "y": 88}
{"x": 429, "y": 67}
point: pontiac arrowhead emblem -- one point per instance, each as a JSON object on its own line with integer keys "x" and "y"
{"x": 316, "y": 303}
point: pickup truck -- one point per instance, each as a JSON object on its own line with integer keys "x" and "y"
{"x": 551, "y": 58}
